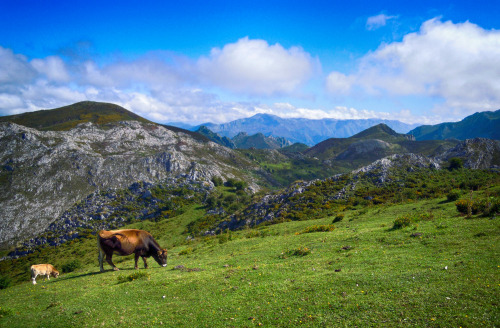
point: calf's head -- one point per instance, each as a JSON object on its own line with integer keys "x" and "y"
{"x": 55, "y": 273}
{"x": 161, "y": 257}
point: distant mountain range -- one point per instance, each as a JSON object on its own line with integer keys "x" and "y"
{"x": 307, "y": 131}
{"x": 478, "y": 125}
{"x": 244, "y": 141}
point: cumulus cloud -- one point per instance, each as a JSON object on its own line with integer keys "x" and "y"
{"x": 459, "y": 63}
{"x": 52, "y": 67}
{"x": 377, "y": 21}
{"x": 257, "y": 68}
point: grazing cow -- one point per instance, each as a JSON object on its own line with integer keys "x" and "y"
{"x": 43, "y": 270}
{"x": 126, "y": 242}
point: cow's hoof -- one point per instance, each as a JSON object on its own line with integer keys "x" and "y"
{"x": 116, "y": 269}
{"x": 137, "y": 268}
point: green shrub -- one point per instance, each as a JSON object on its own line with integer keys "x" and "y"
{"x": 453, "y": 195}
{"x": 299, "y": 251}
{"x": 402, "y": 221}
{"x": 217, "y": 181}
{"x": 5, "y": 312}
{"x": 71, "y": 266}
{"x": 133, "y": 276}
{"x": 338, "y": 218}
{"x": 5, "y": 282}
{"x": 319, "y": 228}
{"x": 462, "y": 206}
{"x": 455, "y": 164}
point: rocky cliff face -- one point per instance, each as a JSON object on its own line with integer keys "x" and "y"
{"x": 44, "y": 173}
{"x": 478, "y": 153}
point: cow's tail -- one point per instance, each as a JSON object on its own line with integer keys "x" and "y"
{"x": 101, "y": 253}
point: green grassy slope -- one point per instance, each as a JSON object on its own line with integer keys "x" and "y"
{"x": 478, "y": 125}
{"x": 363, "y": 273}
{"x": 67, "y": 117}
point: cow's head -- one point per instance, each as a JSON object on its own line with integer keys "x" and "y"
{"x": 161, "y": 257}
{"x": 55, "y": 273}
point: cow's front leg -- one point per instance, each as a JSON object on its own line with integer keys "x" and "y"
{"x": 34, "y": 280}
{"x": 145, "y": 263}
{"x": 136, "y": 259}
{"x": 110, "y": 262}
{"x": 48, "y": 276}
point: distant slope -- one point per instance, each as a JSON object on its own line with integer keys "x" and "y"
{"x": 478, "y": 125}
{"x": 67, "y": 117}
{"x": 244, "y": 141}
{"x": 301, "y": 130}
{"x": 372, "y": 144}
{"x": 215, "y": 137}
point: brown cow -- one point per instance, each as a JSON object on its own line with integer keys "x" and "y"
{"x": 43, "y": 270}
{"x": 126, "y": 242}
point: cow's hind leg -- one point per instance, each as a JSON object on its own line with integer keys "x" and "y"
{"x": 145, "y": 263}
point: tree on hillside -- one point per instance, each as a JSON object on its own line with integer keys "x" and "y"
{"x": 455, "y": 164}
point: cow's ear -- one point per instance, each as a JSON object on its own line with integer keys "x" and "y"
{"x": 164, "y": 251}
{"x": 159, "y": 253}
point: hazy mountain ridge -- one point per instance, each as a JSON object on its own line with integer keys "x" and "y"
{"x": 301, "y": 130}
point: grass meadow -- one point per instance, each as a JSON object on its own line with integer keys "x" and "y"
{"x": 442, "y": 270}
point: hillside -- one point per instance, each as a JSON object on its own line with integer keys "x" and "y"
{"x": 68, "y": 117}
{"x": 243, "y": 141}
{"x": 43, "y": 173}
{"x": 307, "y": 131}
{"x": 350, "y": 264}
{"x": 371, "y": 144}
{"x": 478, "y": 125}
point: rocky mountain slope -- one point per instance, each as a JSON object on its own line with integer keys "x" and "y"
{"x": 478, "y": 125}
{"x": 42, "y": 173}
{"x": 372, "y": 144}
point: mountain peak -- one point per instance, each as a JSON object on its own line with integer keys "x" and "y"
{"x": 376, "y": 132}
{"x": 67, "y": 117}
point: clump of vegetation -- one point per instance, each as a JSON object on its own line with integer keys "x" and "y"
{"x": 299, "y": 251}
{"x": 455, "y": 164}
{"x": 453, "y": 195}
{"x": 133, "y": 276}
{"x": 338, "y": 218}
{"x": 71, "y": 266}
{"x": 5, "y": 282}
{"x": 402, "y": 221}
{"x": 5, "y": 312}
{"x": 319, "y": 228}
{"x": 186, "y": 251}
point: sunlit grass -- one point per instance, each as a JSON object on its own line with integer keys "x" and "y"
{"x": 443, "y": 271}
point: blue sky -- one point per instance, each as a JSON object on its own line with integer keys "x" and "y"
{"x": 200, "y": 61}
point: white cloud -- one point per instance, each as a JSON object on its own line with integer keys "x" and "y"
{"x": 257, "y": 68}
{"x": 14, "y": 69}
{"x": 374, "y": 22}
{"x": 338, "y": 83}
{"x": 52, "y": 67}
{"x": 459, "y": 63}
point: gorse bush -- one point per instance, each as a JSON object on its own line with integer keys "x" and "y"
{"x": 5, "y": 282}
{"x": 402, "y": 221}
{"x": 338, "y": 218}
{"x": 453, "y": 195}
{"x": 319, "y": 228}
{"x": 133, "y": 276}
